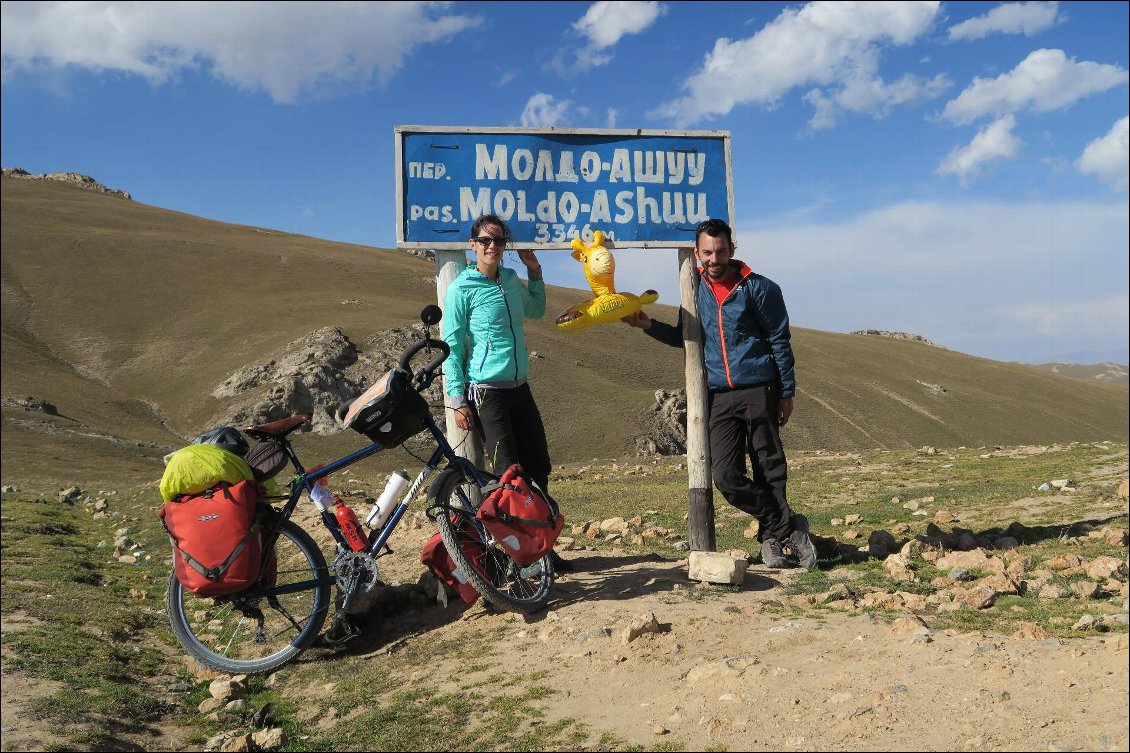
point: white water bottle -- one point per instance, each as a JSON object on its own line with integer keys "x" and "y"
{"x": 321, "y": 496}
{"x": 387, "y": 502}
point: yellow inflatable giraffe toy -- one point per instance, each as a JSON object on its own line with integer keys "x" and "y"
{"x": 607, "y": 306}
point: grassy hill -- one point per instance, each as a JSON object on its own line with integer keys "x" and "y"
{"x": 125, "y": 317}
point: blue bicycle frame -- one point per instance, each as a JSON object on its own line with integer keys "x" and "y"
{"x": 305, "y": 480}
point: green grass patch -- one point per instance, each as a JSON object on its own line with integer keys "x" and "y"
{"x": 80, "y": 625}
{"x": 502, "y": 718}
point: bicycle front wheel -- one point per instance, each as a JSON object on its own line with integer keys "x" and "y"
{"x": 250, "y": 632}
{"x": 488, "y": 568}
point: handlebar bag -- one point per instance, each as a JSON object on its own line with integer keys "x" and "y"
{"x": 522, "y": 518}
{"x": 437, "y": 559}
{"x": 217, "y": 549}
{"x": 389, "y": 412}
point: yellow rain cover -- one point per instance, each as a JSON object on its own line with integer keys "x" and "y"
{"x": 271, "y": 485}
{"x": 198, "y": 467}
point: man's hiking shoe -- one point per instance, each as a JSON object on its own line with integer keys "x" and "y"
{"x": 771, "y": 554}
{"x": 801, "y": 543}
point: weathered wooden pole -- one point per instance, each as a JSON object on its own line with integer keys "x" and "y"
{"x": 467, "y": 444}
{"x": 700, "y": 517}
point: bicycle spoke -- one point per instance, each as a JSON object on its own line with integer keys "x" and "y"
{"x": 487, "y": 567}
{"x": 252, "y": 633}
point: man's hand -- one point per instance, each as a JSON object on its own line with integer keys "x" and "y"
{"x": 463, "y": 418}
{"x": 784, "y": 410}
{"x": 640, "y": 320}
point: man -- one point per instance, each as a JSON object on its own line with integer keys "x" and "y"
{"x": 749, "y": 373}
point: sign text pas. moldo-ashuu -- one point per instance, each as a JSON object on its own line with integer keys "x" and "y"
{"x": 643, "y": 189}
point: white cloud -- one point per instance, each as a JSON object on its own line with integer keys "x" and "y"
{"x": 604, "y": 24}
{"x": 1009, "y": 18}
{"x": 1108, "y": 157}
{"x": 1045, "y": 80}
{"x": 867, "y": 94}
{"x": 286, "y": 49}
{"x": 543, "y": 111}
{"x": 824, "y": 44}
{"x": 947, "y": 273}
{"x": 1063, "y": 317}
{"x": 992, "y": 143}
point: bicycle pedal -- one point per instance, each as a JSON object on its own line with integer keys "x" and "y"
{"x": 341, "y": 632}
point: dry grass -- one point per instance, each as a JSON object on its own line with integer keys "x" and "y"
{"x": 126, "y": 316}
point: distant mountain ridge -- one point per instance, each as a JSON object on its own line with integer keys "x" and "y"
{"x": 1106, "y": 372}
{"x": 127, "y": 319}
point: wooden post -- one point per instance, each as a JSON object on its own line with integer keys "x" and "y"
{"x": 700, "y": 520}
{"x": 467, "y": 444}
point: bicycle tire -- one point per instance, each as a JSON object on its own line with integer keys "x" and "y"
{"x": 223, "y": 632}
{"x": 500, "y": 580}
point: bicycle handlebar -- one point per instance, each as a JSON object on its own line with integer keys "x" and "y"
{"x": 424, "y": 376}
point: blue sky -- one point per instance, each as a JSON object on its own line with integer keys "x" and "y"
{"x": 955, "y": 170}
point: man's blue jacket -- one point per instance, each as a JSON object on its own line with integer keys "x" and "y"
{"x": 745, "y": 339}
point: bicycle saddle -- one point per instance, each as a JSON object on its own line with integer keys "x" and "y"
{"x": 276, "y": 429}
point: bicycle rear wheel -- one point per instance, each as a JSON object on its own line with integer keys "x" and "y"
{"x": 488, "y": 568}
{"x": 249, "y": 632}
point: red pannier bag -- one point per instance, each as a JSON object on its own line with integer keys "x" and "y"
{"x": 217, "y": 549}
{"x": 437, "y": 559}
{"x": 524, "y": 521}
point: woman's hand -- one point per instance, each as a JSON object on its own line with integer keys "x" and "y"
{"x": 463, "y": 418}
{"x": 529, "y": 258}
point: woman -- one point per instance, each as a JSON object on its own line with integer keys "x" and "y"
{"x": 488, "y": 365}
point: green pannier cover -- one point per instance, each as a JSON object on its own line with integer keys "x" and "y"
{"x": 197, "y": 467}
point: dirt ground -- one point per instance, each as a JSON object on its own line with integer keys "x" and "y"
{"x": 23, "y": 729}
{"x": 730, "y": 670}
{"x": 726, "y": 670}
{"x": 20, "y": 730}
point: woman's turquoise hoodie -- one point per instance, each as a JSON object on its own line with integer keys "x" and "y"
{"x": 482, "y": 324}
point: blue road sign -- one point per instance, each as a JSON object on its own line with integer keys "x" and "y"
{"x": 642, "y": 189}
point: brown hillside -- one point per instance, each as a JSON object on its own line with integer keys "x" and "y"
{"x": 126, "y": 316}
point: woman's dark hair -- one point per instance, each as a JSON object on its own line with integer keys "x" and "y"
{"x": 490, "y": 219}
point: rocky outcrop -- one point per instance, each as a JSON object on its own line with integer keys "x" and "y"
{"x": 895, "y": 336}
{"x": 314, "y": 375}
{"x": 29, "y": 403}
{"x": 667, "y": 425}
{"x": 75, "y": 179}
